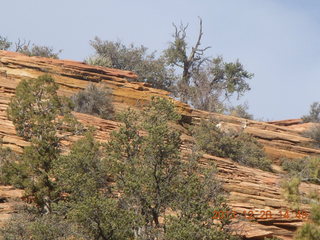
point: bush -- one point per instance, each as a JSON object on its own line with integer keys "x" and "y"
{"x": 29, "y": 224}
{"x": 239, "y": 146}
{"x": 94, "y": 101}
{"x": 11, "y": 172}
{"x": 314, "y": 114}
{"x": 291, "y": 191}
{"x": 148, "y": 67}
{"x": 240, "y": 111}
{"x": 311, "y": 229}
{"x": 4, "y": 43}
{"x": 307, "y": 169}
{"x": 23, "y": 46}
{"x": 40, "y": 51}
{"x": 314, "y": 133}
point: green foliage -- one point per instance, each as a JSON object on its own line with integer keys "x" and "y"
{"x": 40, "y": 51}
{"x": 4, "y": 43}
{"x": 291, "y": 191}
{"x": 240, "y": 111}
{"x": 215, "y": 81}
{"x": 205, "y": 82}
{"x": 148, "y": 170}
{"x": 103, "y": 218}
{"x": 239, "y": 146}
{"x": 307, "y": 169}
{"x": 94, "y": 101}
{"x": 82, "y": 179}
{"x": 80, "y": 174}
{"x": 30, "y": 225}
{"x": 314, "y": 133}
{"x": 310, "y": 230}
{"x": 25, "y": 48}
{"x": 191, "y": 204}
{"x": 11, "y": 170}
{"x": 314, "y": 114}
{"x": 150, "y": 69}
{"x": 35, "y": 111}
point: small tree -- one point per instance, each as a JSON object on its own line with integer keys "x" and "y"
{"x": 4, "y": 43}
{"x": 240, "y": 111}
{"x": 86, "y": 199}
{"x": 307, "y": 169}
{"x": 149, "y": 171}
{"x": 149, "y": 68}
{"x": 35, "y": 111}
{"x": 311, "y": 229}
{"x": 40, "y": 51}
{"x": 205, "y": 81}
{"x": 314, "y": 133}
{"x": 314, "y": 114}
{"x": 94, "y": 101}
{"x": 25, "y": 47}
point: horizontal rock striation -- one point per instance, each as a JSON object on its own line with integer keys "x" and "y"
{"x": 249, "y": 189}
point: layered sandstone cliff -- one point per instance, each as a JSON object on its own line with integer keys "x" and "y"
{"x": 250, "y": 189}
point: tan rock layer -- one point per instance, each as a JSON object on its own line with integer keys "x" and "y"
{"x": 249, "y": 189}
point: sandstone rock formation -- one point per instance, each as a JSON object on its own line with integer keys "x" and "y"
{"x": 249, "y": 189}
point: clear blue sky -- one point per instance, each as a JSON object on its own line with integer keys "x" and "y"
{"x": 277, "y": 40}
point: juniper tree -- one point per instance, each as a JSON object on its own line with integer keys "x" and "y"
{"x": 167, "y": 191}
{"x": 41, "y": 117}
{"x": 83, "y": 182}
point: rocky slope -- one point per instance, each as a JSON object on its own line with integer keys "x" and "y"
{"x": 250, "y": 189}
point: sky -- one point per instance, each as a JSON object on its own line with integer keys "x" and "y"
{"x": 277, "y": 40}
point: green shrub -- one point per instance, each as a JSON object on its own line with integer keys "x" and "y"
{"x": 314, "y": 114}
{"x": 239, "y": 146}
{"x": 307, "y": 169}
{"x": 149, "y": 68}
{"x": 23, "y": 46}
{"x": 11, "y": 172}
{"x": 40, "y": 51}
{"x": 314, "y": 133}
{"x": 4, "y": 43}
{"x": 94, "y": 101}
{"x": 28, "y": 224}
{"x": 291, "y": 191}
{"x": 240, "y": 111}
{"x": 311, "y": 229}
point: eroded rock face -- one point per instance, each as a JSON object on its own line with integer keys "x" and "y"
{"x": 249, "y": 189}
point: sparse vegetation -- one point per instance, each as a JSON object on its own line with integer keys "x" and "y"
{"x": 239, "y": 146}
{"x": 291, "y": 192}
{"x": 94, "y": 101}
{"x": 314, "y": 114}
{"x": 38, "y": 50}
{"x": 240, "y": 111}
{"x": 307, "y": 169}
{"x": 4, "y": 43}
{"x": 311, "y": 229}
{"x": 29, "y": 224}
{"x": 314, "y": 133}
{"x": 25, "y": 47}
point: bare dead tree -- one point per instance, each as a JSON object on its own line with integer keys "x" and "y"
{"x": 177, "y": 55}
{"x": 21, "y": 46}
